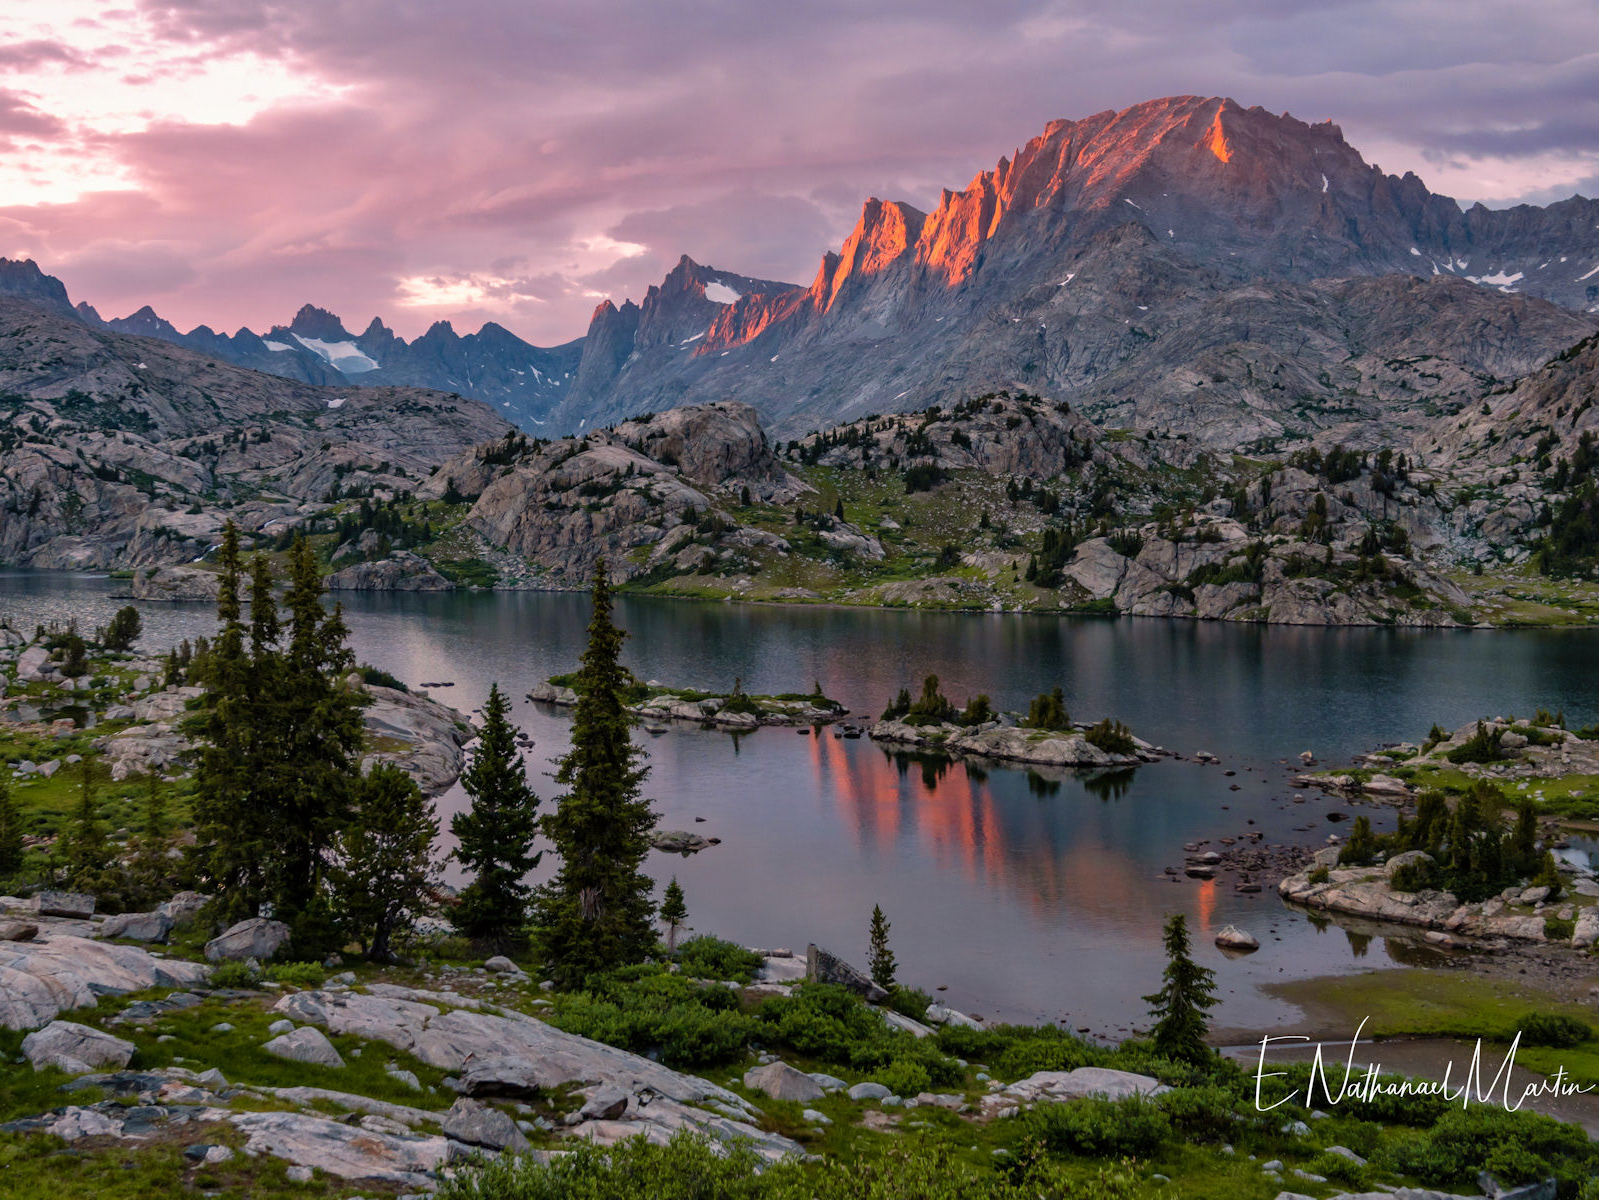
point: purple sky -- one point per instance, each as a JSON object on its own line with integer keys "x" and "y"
{"x": 517, "y": 161}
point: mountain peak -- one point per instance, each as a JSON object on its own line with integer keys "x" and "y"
{"x": 318, "y": 323}
{"x": 23, "y": 279}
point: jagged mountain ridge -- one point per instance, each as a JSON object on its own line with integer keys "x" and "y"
{"x": 492, "y": 365}
{"x": 1162, "y": 212}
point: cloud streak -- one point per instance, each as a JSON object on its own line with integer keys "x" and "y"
{"x": 228, "y": 160}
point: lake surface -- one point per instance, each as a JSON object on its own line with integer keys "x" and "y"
{"x": 1029, "y": 899}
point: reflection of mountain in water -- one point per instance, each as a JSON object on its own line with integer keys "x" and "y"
{"x": 1055, "y": 839}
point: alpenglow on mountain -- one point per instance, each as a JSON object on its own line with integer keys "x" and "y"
{"x": 1183, "y": 265}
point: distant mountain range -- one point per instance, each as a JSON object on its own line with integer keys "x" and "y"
{"x": 1186, "y": 267}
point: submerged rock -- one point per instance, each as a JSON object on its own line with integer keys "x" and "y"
{"x": 1234, "y": 938}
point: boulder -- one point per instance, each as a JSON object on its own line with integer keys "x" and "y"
{"x": 501, "y": 965}
{"x": 183, "y": 908}
{"x": 942, "y": 1014}
{"x": 31, "y": 664}
{"x": 868, "y": 1091}
{"x": 256, "y": 937}
{"x": 1234, "y": 938}
{"x": 478, "y": 1125}
{"x": 782, "y": 1082}
{"x": 138, "y": 927}
{"x": 824, "y": 967}
{"x": 18, "y": 931}
{"x": 75, "y": 1049}
{"x": 608, "y": 1103}
{"x": 75, "y": 905}
{"x": 500, "y": 1075}
{"x": 305, "y": 1045}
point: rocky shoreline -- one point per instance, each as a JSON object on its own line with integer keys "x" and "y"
{"x": 1517, "y": 914}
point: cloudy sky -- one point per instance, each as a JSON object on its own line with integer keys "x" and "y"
{"x": 518, "y": 160}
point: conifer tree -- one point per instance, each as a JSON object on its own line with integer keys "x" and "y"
{"x": 384, "y": 869}
{"x": 10, "y": 830}
{"x": 1187, "y": 993}
{"x": 881, "y": 958}
{"x": 228, "y": 825}
{"x": 318, "y": 717}
{"x": 674, "y": 911}
{"x": 1526, "y": 836}
{"x": 88, "y": 852}
{"x": 596, "y": 913}
{"x": 496, "y": 834}
{"x": 150, "y": 865}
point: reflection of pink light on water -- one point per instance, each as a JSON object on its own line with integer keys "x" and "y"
{"x": 956, "y": 817}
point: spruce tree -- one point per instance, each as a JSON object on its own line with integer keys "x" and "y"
{"x": 150, "y": 865}
{"x": 1526, "y": 837}
{"x": 1188, "y": 992}
{"x": 229, "y": 825}
{"x": 319, "y": 721}
{"x": 596, "y": 913}
{"x": 674, "y": 911}
{"x": 496, "y": 834}
{"x": 87, "y": 851}
{"x": 10, "y": 830}
{"x": 383, "y": 868}
{"x": 881, "y": 958}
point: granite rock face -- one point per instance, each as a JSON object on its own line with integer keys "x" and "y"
{"x": 55, "y": 972}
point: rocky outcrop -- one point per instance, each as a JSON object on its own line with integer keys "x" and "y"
{"x": 401, "y": 571}
{"x": 1006, "y": 743}
{"x": 782, "y": 1082}
{"x": 527, "y": 1052}
{"x": 1515, "y": 915}
{"x": 304, "y": 1045}
{"x": 431, "y": 736}
{"x": 1058, "y": 1086}
{"x": 619, "y": 492}
{"x": 822, "y": 966}
{"x": 175, "y": 583}
{"x": 56, "y": 972}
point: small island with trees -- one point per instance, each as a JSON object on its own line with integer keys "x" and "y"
{"x": 1044, "y": 736}
{"x": 735, "y": 710}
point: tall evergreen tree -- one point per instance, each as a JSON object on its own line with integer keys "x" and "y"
{"x": 1188, "y": 992}
{"x": 10, "y": 830}
{"x": 674, "y": 911}
{"x": 880, "y": 960}
{"x": 383, "y": 869}
{"x": 496, "y": 834}
{"x": 596, "y": 913}
{"x": 319, "y": 719}
{"x": 87, "y": 851}
{"x": 229, "y": 825}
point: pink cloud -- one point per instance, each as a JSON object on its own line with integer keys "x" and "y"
{"x": 503, "y": 150}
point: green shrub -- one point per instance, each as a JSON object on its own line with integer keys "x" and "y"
{"x": 644, "y": 1009}
{"x": 1099, "y": 1128}
{"x": 1112, "y": 737}
{"x": 910, "y": 1002}
{"x": 380, "y": 678}
{"x": 1464, "y": 1141}
{"x": 1340, "y": 1169}
{"x": 1203, "y": 1114}
{"x": 1556, "y": 930}
{"x": 298, "y": 974}
{"x": 712, "y": 958}
{"x": 1553, "y": 1029}
{"x": 832, "y": 1024}
{"x": 904, "y": 1078}
{"x": 233, "y": 975}
{"x": 1413, "y": 877}
{"x": 1320, "y": 875}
